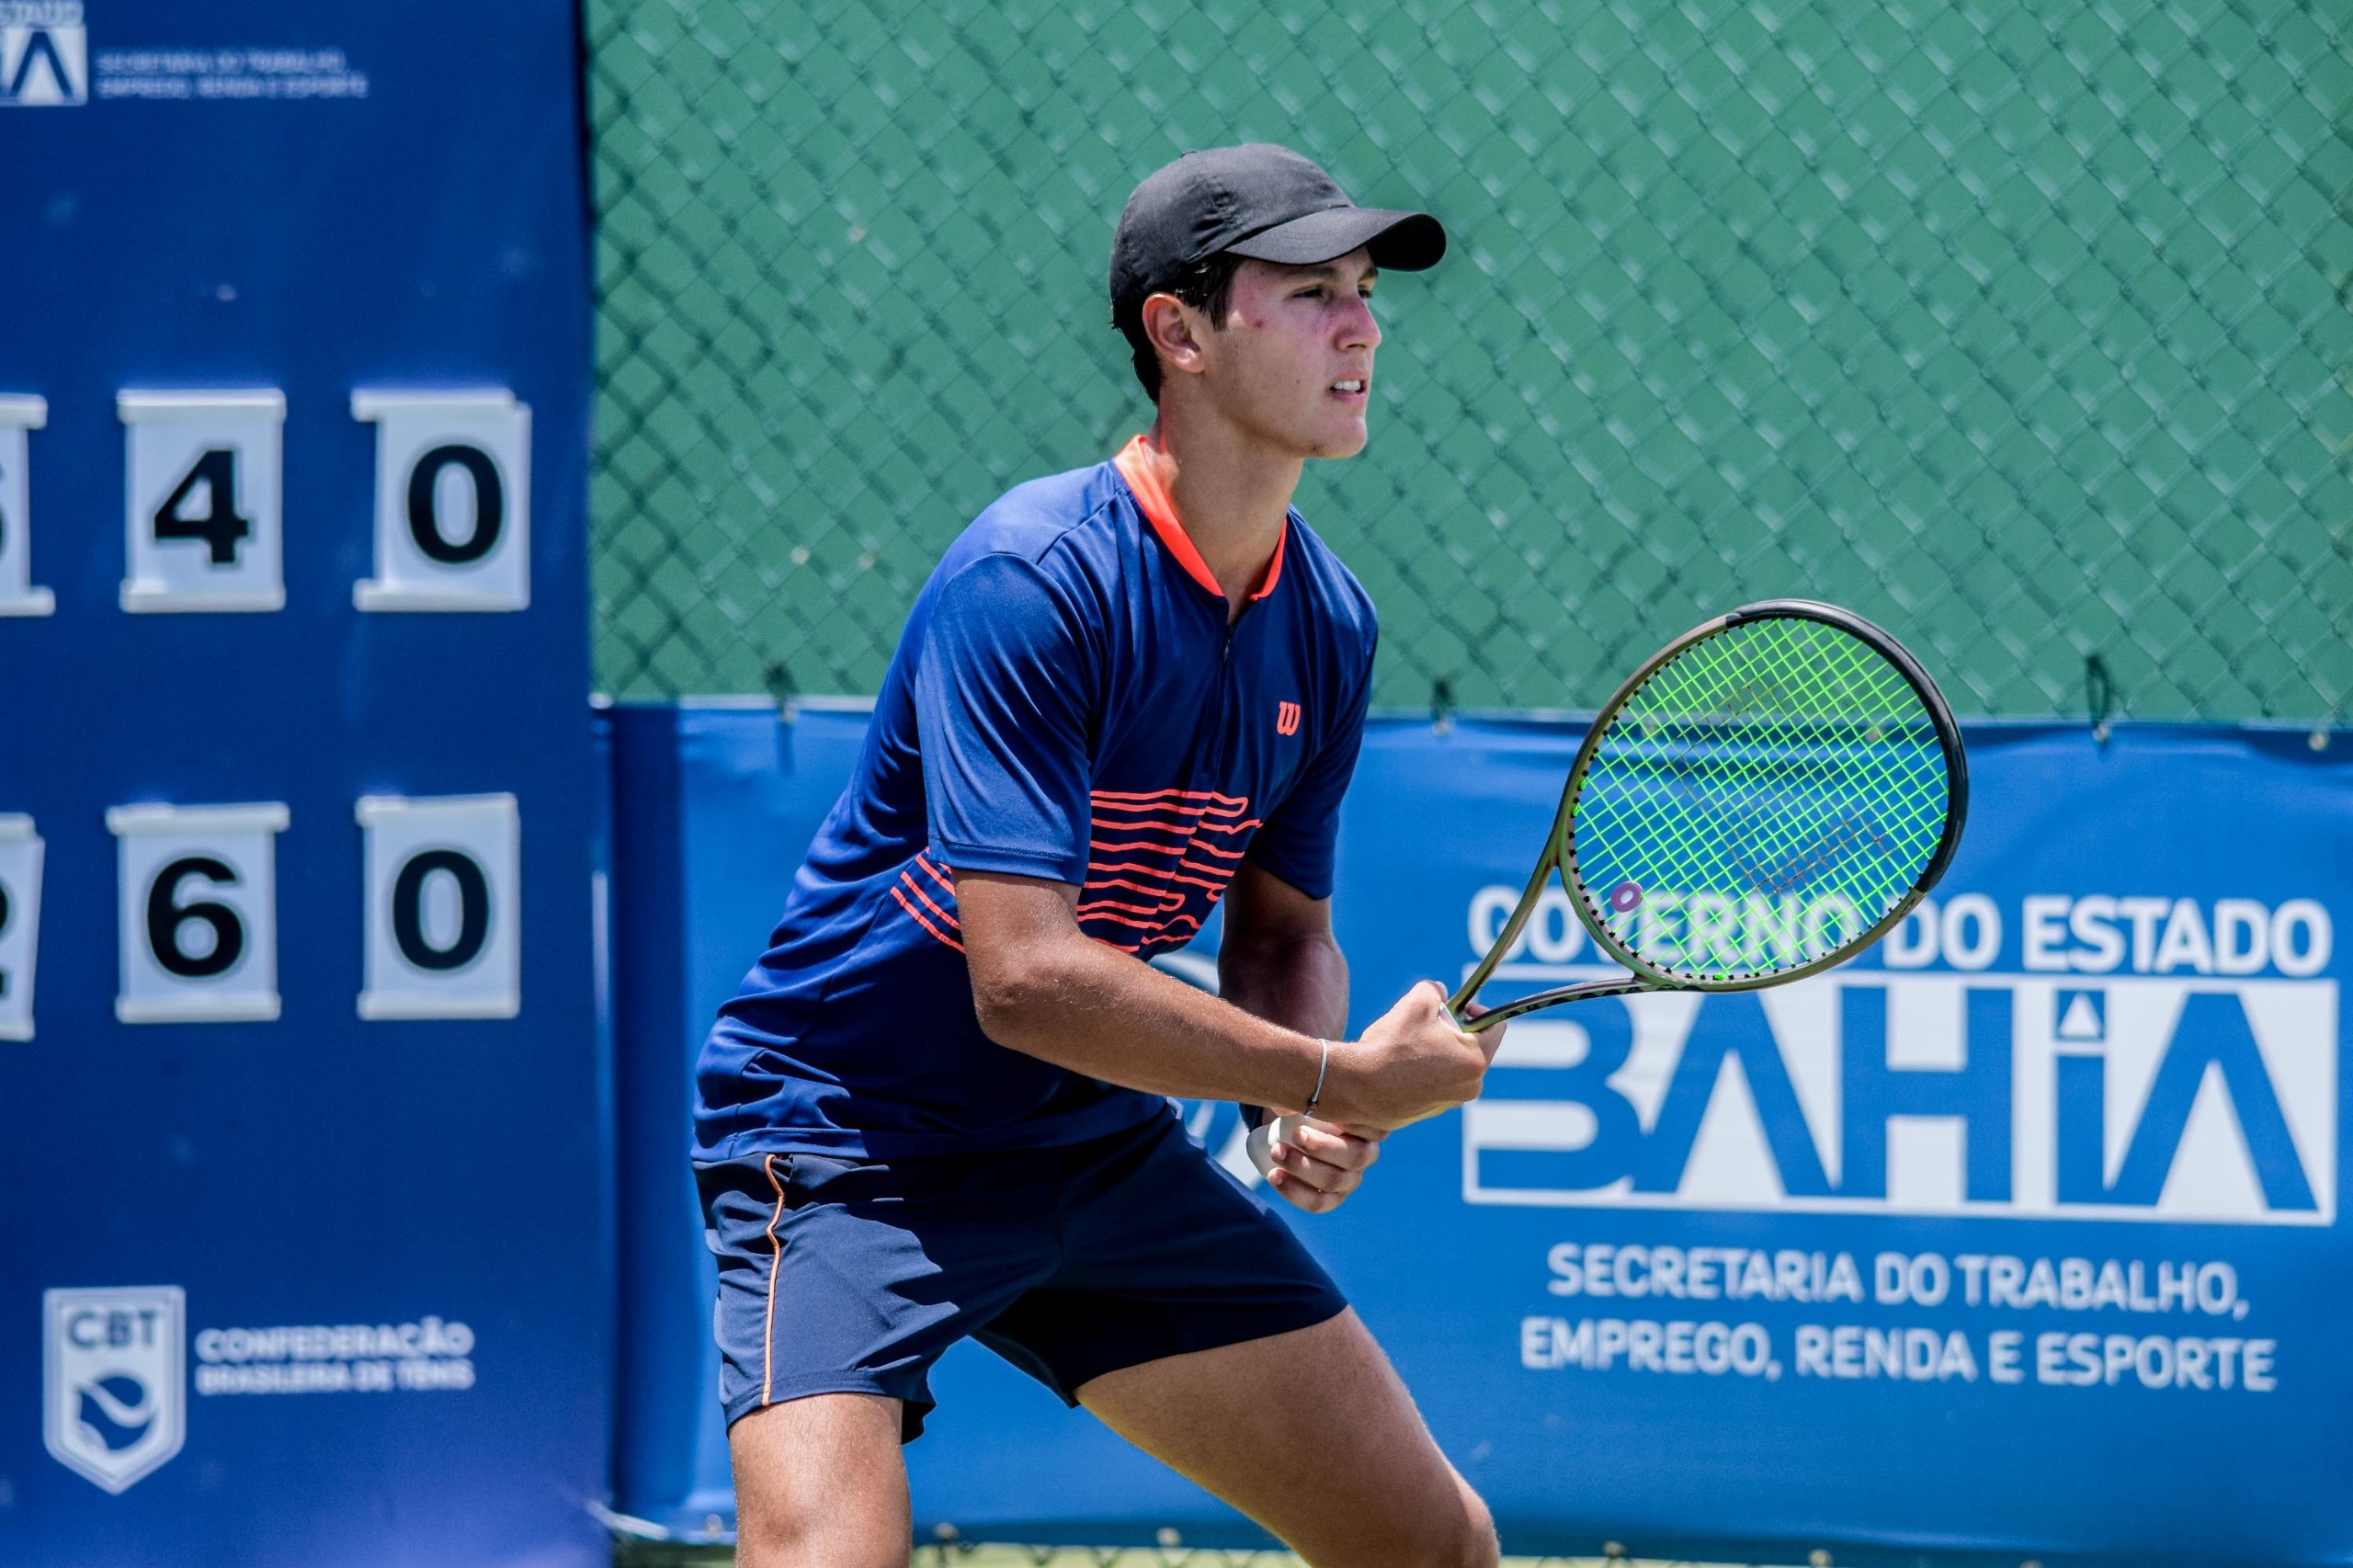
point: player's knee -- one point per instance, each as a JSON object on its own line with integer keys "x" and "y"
{"x": 1475, "y": 1545}
{"x": 818, "y": 1484}
{"x": 1465, "y": 1537}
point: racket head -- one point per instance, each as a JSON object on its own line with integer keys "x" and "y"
{"x": 1785, "y": 777}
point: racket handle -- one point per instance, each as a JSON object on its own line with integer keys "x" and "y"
{"x": 1453, "y": 1010}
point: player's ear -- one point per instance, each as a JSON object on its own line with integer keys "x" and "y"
{"x": 1174, "y": 331}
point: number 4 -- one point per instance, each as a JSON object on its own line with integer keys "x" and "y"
{"x": 220, "y": 526}
{"x": 203, "y": 515}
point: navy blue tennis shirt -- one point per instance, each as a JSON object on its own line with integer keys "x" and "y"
{"x": 1068, "y": 702}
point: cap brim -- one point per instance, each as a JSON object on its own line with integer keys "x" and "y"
{"x": 1400, "y": 242}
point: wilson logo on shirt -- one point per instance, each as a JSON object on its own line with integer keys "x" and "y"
{"x": 1286, "y": 718}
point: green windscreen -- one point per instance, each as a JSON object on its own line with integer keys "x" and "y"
{"x": 1759, "y": 802}
{"x": 2021, "y": 327}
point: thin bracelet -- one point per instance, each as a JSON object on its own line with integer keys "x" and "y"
{"x": 1320, "y": 1068}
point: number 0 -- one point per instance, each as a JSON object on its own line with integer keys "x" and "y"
{"x": 408, "y": 910}
{"x": 423, "y": 517}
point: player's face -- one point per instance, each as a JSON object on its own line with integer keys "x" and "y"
{"x": 1293, "y": 363}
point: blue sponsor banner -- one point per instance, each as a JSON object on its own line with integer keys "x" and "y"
{"x": 301, "y": 1108}
{"x": 2016, "y": 1238}
{"x": 2018, "y": 1235}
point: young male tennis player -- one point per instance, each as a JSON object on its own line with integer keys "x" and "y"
{"x": 937, "y": 1108}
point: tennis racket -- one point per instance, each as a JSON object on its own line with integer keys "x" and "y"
{"x": 1766, "y": 797}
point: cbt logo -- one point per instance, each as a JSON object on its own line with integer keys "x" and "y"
{"x": 2149, "y": 1094}
{"x": 44, "y": 55}
{"x": 114, "y": 1385}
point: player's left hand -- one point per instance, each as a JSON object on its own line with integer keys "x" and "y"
{"x": 1314, "y": 1164}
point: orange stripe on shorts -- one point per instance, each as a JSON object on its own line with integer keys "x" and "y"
{"x": 775, "y": 1259}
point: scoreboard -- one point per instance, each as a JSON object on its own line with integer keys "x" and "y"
{"x": 302, "y": 1093}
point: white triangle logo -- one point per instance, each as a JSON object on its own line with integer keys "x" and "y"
{"x": 2082, "y": 1020}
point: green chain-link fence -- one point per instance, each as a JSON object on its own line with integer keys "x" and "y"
{"x": 2018, "y": 325}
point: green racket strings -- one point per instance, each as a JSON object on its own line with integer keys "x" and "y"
{"x": 1759, "y": 802}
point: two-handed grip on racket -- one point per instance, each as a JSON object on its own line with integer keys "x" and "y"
{"x": 1413, "y": 1062}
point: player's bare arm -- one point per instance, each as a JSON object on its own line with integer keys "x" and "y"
{"x": 1279, "y": 961}
{"x": 1044, "y": 988}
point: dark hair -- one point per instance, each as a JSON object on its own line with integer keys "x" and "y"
{"x": 1207, "y": 286}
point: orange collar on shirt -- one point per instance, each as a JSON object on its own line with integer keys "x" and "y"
{"x": 1153, "y": 499}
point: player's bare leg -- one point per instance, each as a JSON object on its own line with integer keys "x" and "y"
{"x": 1311, "y": 1434}
{"x": 820, "y": 1483}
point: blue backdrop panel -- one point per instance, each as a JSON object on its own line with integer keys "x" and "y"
{"x": 269, "y": 194}
{"x": 2018, "y": 1237}
{"x": 714, "y": 804}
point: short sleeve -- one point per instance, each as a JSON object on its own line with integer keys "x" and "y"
{"x": 1296, "y": 842}
{"x": 1002, "y": 693}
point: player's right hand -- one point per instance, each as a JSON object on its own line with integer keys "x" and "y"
{"x": 1413, "y": 1062}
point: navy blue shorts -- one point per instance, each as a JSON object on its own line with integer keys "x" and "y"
{"x": 840, "y": 1275}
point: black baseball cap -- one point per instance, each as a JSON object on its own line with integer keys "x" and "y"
{"x": 1258, "y": 201}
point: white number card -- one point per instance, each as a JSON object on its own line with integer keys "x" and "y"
{"x": 19, "y": 923}
{"x": 444, "y": 928}
{"x": 453, "y": 501}
{"x": 198, "y": 912}
{"x": 18, "y": 415}
{"x": 202, "y": 518}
